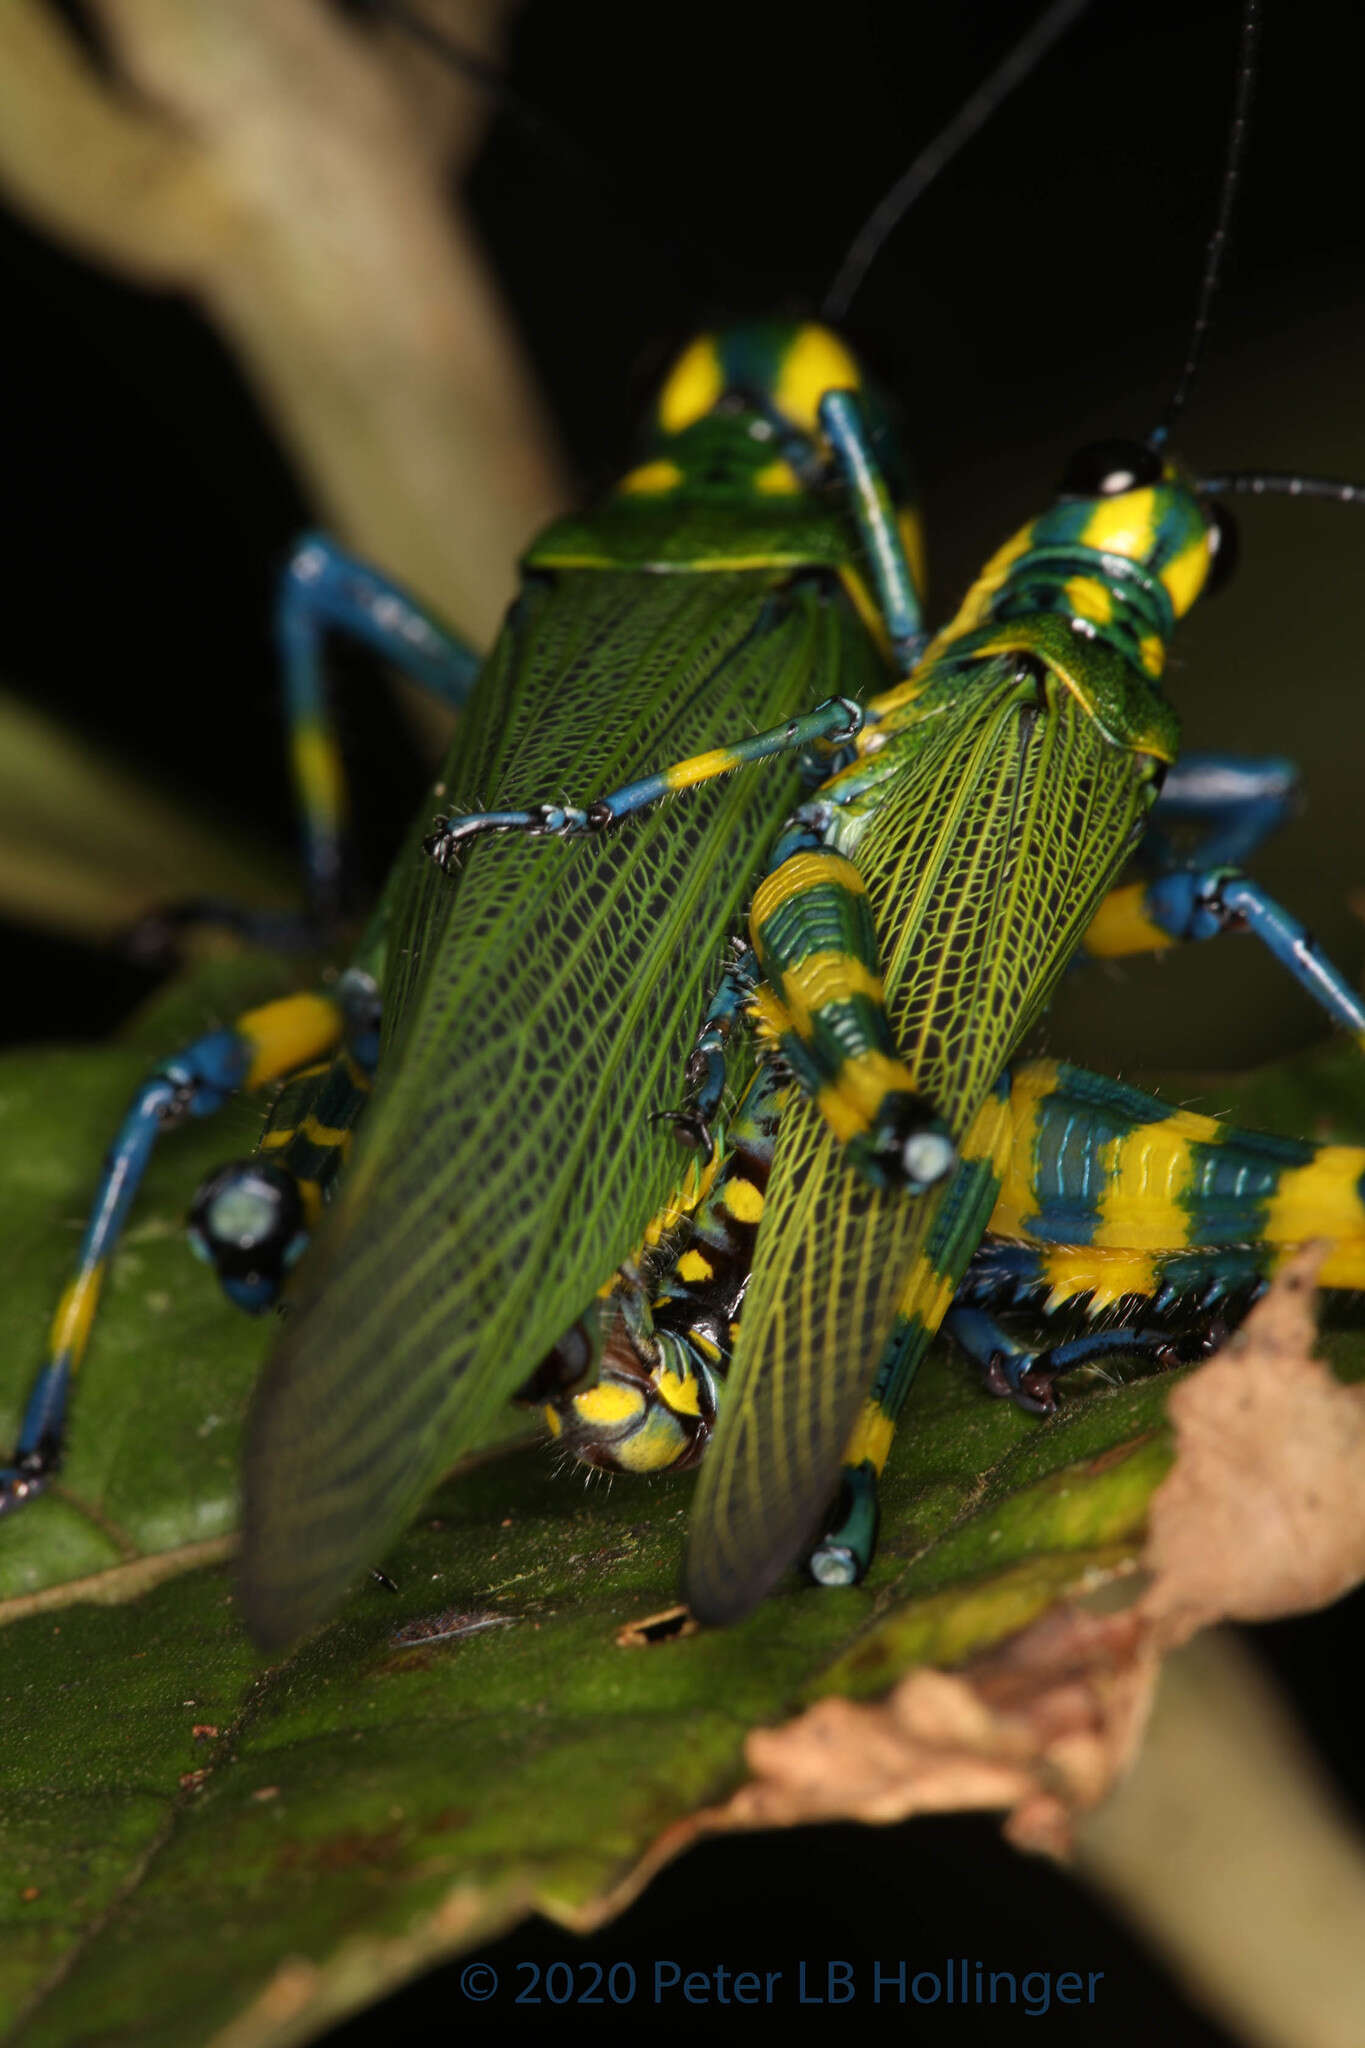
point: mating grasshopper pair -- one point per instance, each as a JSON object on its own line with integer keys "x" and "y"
{"x": 538, "y": 1000}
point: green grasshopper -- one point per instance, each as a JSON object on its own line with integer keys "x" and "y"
{"x": 919, "y": 910}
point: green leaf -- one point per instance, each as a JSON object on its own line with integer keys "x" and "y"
{"x": 478, "y": 1745}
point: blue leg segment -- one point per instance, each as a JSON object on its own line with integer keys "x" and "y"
{"x": 832, "y": 723}
{"x": 1025, "y": 1375}
{"x": 708, "y": 1064}
{"x": 842, "y": 420}
{"x": 1198, "y": 905}
{"x": 325, "y": 590}
{"x": 1240, "y": 799}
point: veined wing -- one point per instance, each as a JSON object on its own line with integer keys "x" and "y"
{"x": 983, "y": 860}
{"x": 545, "y": 1006}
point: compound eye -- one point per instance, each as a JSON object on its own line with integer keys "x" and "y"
{"x": 1224, "y": 548}
{"x": 1108, "y": 468}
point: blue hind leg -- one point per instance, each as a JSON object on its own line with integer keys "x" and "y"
{"x": 260, "y": 1047}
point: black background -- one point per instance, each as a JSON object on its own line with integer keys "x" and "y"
{"x": 1040, "y": 297}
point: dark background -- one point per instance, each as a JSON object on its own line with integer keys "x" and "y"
{"x": 1040, "y": 297}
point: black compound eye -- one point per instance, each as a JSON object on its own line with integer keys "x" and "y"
{"x": 1224, "y": 548}
{"x": 1108, "y": 468}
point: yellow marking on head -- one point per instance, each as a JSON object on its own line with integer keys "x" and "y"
{"x": 1123, "y": 525}
{"x": 75, "y": 1313}
{"x": 811, "y": 985}
{"x": 608, "y": 1405}
{"x": 695, "y": 383}
{"x": 870, "y": 1442}
{"x": 1089, "y": 598}
{"x": 1017, "y": 1197}
{"x": 679, "y": 1392}
{"x": 850, "y": 1102}
{"x": 1106, "y": 1276}
{"x": 552, "y": 1421}
{"x": 1318, "y": 1200}
{"x": 1121, "y": 926}
{"x": 743, "y": 1200}
{"x": 1152, "y": 653}
{"x": 319, "y": 773}
{"x": 1186, "y": 574}
{"x": 777, "y": 480}
{"x": 694, "y": 1265}
{"x": 650, "y": 480}
{"x": 285, "y": 1035}
{"x": 815, "y": 362}
{"x": 803, "y": 871}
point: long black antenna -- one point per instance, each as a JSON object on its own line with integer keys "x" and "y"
{"x": 974, "y": 113}
{"x": 1281, "y": 483}
{"x": 1216, "y": 248}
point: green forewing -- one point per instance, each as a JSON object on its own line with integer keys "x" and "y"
{"x": 983, "y": 859}
{"x": 540, "y": 1007}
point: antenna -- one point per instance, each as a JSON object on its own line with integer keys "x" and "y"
{"x": 1281, "y": 483}
{"x": 1216, "y": 248}
{"x": 973, "y": 114}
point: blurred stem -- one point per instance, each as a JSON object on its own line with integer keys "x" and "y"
{"x": 1227, "y": 1849}
{"x": 288, "y": 173}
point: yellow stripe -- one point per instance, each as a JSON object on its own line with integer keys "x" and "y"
{"x": 1186, "y": 574}
{"x": 1121, "y": 926}
{"x": 659, "y": 1443}
{"x": 1321, "y": 1199}
{"x": 821, "y": 979}
{"x": 319, "y": 774}
{"x": 287, "y": 1034}
{"x": 872, "y": 1437}
{"x": 679, "y": 1392}
{"x": 815, "y": 362}
{"x": 1106, "y": 1276}
{"x": 310, "y": 1194}
{"x": 274, "y": 1140}
{"x": 1145, "y": 1174}
{"x": 911, "y": 529}
{"x": 328, "y": 1136}
{"x": 743, "y": 1200}
{"x": 651, "y": 479}
{"x": 976, "y": 605}
{"x": 850, "y": 1102}
{"x": 75, "y": 1313}
{"x": 552, "y": 1421}
{"x": 803, "y": 871}
{"x": 701, "y": 768}
{"x": 1090, "y": 599}
{"x": 694, "y": 384}
{"x": 1017, "y": 1198}
{"x": 1152, "y": 653}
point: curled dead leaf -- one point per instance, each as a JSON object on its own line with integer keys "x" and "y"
{"x": 1261, "y": 1514}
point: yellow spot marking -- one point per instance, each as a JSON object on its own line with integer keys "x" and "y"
{"x": 1121, "y": 926}
{"x": 328, "y": 1136}
{"x": 705, "y": 1345}
{"x": 1318, "y": 1200}
{"x": 777, "y": 480}
{"x": 850, "y": 1102}
{"x": 803, "y": 871}
{"x": 1106, "y": 1276}
{"x": 1125, "y": 525}
{"x": 75, "y": 1313}
{"x": 811, "y": 985}
{"x": 651, "y": 479}
{"x": 319, "y": 774}
{"x": 655, "y": 1446}
{"x": 271, "y": 1141}
{"x": 679, "y": 1392}
{"x": 1152, "y": 653}
{"x": 701, "y": 768}
{"x": 695, "y": 383}
{"x": 287, "y": 1034}
{"x": 608, "y": 1405}
{"x": 743, "y": 1199}
{"x": 552, "y": 1421}
{"x": 1090, "y": 599}
{"x": 815, "y": 362}
{"x": 693, "y": 1265}
{"x": 1186, "y": 574}
{"x": 870, "y": 1442}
